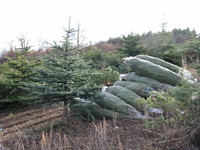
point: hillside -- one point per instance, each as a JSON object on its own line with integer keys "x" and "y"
{"x": 69, "y": 76}
{"x": 23, "y": 130}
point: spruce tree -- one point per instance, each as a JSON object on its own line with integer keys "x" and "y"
{"x": 16, "y": 69}
{"x": 131, "y": 46}
{"x": 64, "y": 75}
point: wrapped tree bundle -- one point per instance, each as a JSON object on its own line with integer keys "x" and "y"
{"x": 181, "y": 71}
{"x": 148, "y": 81}
{"x": 114, "y": 103}
{"x": 91, "y": 110}
{"x": 154, "y": 71}
{"x": 139, "y": 88}
{"x": 124, "y": 94}
{"x": 160, "y": 62}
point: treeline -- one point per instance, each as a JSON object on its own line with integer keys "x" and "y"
{"x": 179, "y": 46}
{"x": 64, "y": 70}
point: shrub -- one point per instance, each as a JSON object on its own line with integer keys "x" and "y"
{"x": 105, "y": 76}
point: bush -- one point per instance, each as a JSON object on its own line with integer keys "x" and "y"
{"x": 188, "y": 95}
{"x": 173, "y": 57}
{"x": 13, "y": 72}
{"x": 97, "y": 57}
{"x": 102, "y": 60}
{"x": 105, "y": 76}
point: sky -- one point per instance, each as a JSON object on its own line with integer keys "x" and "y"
{"x": 44, "y": 20}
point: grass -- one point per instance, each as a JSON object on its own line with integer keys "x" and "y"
{"x": 104, "y": 134}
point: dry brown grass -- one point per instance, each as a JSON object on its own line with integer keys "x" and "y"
{"x": 103, "y": 134}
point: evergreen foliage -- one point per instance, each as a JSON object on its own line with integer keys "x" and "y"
{"x": 64, "y": 74}
{"x": 191, "y": 51}
{"x": 14, "y": 71}
{"x": 131, "y": 46}
{"x": 197, "y": 67}
{"x": 106, "y": 76}
{"x": 173, "y": 56}
{"x": 182, "y": 35}
{"x": 102, "y": 60}
{"x": 98, "y": 58}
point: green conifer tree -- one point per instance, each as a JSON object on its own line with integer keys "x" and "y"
{"x": 17, "y": 69}
{"x": 131, "y": 46}
{"x": 64, "y": 75}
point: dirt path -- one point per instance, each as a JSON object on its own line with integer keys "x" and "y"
{"x": 17, "y": 123}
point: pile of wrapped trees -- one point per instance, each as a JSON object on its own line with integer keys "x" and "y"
{"x": 122, "y": 99}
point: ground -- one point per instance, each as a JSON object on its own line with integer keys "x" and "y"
{"x": 44, "y": 129}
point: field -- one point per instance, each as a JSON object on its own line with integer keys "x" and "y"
{"x": 43, "y": 129}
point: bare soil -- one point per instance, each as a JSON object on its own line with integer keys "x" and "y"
{"x": 126, "y": 134}
{"x": 13, "y": 123}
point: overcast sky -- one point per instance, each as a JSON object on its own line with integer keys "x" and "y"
{"x": 43, "y": 20}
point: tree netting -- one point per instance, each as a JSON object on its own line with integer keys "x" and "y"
{"x": 181, "y": 71}
{"x": 123, "y": 93}
{"x": 132, "y": 76}
{"x": 140, "y": 89}
{"x": 110, "y": 101}
{"x": 160, "y": 62}
{"x": 90, "y": 110}
{"x": 154, "y": 71}
{"x": 127, "y": 98}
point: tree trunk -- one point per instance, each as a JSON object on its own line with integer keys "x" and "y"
{"x": 197, "y": 59}
{"x": 66, "y": 112}
{"x": 184, "y": 61}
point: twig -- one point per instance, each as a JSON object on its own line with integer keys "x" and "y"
{"x": 153, "y": 132}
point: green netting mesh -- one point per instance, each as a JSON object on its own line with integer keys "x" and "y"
{"x": 151, "y": 82}
{"x": 139, "y": 88}
{"x": 157, "y": 72}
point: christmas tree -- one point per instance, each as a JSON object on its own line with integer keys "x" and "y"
{"x": 64, "y": 74}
